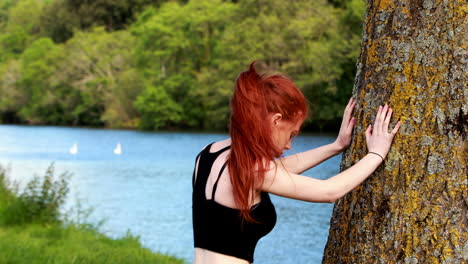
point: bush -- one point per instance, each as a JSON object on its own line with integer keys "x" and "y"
{"x": 6, "y": 190}
{"x": 36, "y": 233}
{"x": 39, "y": 202}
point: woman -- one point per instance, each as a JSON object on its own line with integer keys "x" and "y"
{"x": 231, "y": 207}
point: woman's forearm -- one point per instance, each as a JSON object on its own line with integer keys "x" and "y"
{"x": 300, "y": 162}
{"x": 348, "y": 179}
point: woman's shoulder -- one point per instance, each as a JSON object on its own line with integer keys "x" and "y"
{"x": 219, "y": 145}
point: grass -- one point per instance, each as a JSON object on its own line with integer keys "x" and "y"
{"x": 40, "y": 236}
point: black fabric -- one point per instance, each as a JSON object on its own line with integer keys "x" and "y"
{"x": 219, "y": 228}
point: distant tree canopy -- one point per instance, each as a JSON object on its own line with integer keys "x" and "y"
{"x": 61, "y": 18}
{"x": 169, "y": 64}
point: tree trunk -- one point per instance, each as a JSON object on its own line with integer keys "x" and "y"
{"x": 413, "y": 209}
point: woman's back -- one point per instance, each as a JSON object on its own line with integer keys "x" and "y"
{"x": 223, "y": 193}
{"x": 219, "y": 232}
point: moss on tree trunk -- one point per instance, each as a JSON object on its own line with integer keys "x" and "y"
{"x": 413, "y": 209}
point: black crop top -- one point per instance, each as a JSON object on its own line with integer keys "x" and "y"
{"x": 219, "y": 228}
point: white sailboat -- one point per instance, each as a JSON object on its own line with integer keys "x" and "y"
{"x": 74, "y": 149}
{"x": 118, "y": 149}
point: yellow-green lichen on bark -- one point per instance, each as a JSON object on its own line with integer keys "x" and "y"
{"x": 413, "y": 208}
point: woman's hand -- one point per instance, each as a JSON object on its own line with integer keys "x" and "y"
{"x": 378, "y": 138}
{"x": 344, "y": 137}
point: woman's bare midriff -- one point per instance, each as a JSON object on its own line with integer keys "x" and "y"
{"x": 204, "y": 256}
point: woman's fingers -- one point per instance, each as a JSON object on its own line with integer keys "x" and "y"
{"x": 351, "y": 109}
{"x": 382, "y": 117}
{"x": 387, "y": 120}
{"x": 377, "y": 120}
{"x": 378, "y": 137}
{"x": 395, "y": 129}
{"x": 369, "y": 131}
{"x": 351, "y": 124}
{"x": 349, "y": 102}
{"x": 348, "y": 111}
{"x": 382, "y": 121}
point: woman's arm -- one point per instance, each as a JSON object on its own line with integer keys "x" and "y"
{"x": 281, "y": 182}
{"x": 300, "y": 162}
{"x": 291, "y": 185}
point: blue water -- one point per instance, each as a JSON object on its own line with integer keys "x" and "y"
{"x": 147, "y": 189}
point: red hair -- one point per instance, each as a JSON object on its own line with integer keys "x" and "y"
{"x": 252, "y": 148}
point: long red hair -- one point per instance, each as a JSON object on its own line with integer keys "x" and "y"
{"x": 252, "y": 148}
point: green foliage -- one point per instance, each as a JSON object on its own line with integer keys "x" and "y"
{"x": 298, "y": 38}
{"x": 7, "y": 191}
{"x": 39, "y": 202}
{"x": 5, "y": 6}
{"x": 31, "y": 230}
{"x": 108, "y": 58}
{"x": 98, "y": 66}
{"x": 38, "y": 244}
{"x": 89, "y": 81}
{"x": 20, "y": 27}
{"x": 37, "y": 65}
{"x": 12, "y": 97}
{"x": 62, "y": 18}
{"x": 176, "y": 43}
{"x": 58, "y": 22}
{"x": 349, "y": 25}
{"x": 28, "y": 86}
{"x": 157, "y": 109}
{"x": 119, "y": 109}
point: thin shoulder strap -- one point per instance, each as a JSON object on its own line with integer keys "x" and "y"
{"x": 195, "y": 169}
{"x": 216, "y": 183}
{"x": 197, "y": 159}
{"x": 223, "y": 149}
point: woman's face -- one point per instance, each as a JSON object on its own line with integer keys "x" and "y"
{"x": 283, "y": 131}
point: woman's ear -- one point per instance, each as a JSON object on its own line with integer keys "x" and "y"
{"x": 276, "y": 118}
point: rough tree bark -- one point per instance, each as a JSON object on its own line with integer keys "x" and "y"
{"x": 413, "y": 209}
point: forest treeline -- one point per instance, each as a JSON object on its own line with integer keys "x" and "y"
{"x": 169, "y": 64}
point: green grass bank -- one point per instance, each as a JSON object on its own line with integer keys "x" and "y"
{"x": 32, "y": 231}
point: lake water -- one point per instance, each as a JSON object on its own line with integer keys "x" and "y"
{"x": 147, "y": 189}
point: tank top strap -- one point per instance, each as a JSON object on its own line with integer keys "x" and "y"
{"x": 206, "y": 160}
{"x": 216, "y": 183}
{"x": 217, "y": 153}
{"x": 194, "y": 170}
{"x": 221, "y": 150}
{"x": 199, "y": 158}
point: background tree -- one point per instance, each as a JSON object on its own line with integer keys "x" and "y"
{"x": 38, "y": 63}
{"x": 110, "y": 58}
{"x": 308, "y": 41}
{"x": 176, "y": 43}
{"x": 19, "y": 25}
{"x": 413, "y": 209}
{"x": 62, "y": 17}
{"x": 99, "y": 66}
